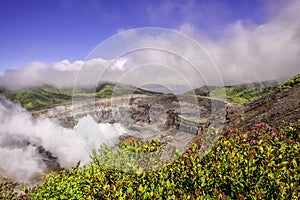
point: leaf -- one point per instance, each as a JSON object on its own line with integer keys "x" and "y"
{"x": 294, "y": 163}
{"x": 284, "y": 162}
{"x": 168, "y": 183}
{"x": 141, "y": 189}
{"x": 271, "y": 175}
{"x": 253, "y": 168}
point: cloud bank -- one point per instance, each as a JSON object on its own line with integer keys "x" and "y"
{"x": 260, "y": 52}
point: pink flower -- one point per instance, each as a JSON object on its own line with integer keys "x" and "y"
{"x": 273, "y": 134}
{"x": 248, "y": 138}
{"x": 201, "y": 146}
{"x": 188, "y": 150}
{"x": 253, "y": 142}
{"x": 231, "y": 130}
{"x": 258, "y": 133}
{"x": 260, "y": 124}
{"x": 281, "y": 136}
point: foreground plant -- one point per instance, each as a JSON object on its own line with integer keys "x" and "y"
{"x": 262, "y": 163}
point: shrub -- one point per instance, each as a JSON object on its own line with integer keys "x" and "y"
{"x": 262, "y": 163}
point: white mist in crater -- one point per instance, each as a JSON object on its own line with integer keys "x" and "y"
{"x": 93, "y": 134}
{"x": 20, "y": 138}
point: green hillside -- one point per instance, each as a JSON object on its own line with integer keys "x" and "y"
{"x": 202, "y": 91}
{"x": 238, "y": 93}
{"x": 247, "y": 92}
{"x": 41, "y": 97}
{"x": 38, "y": 97}
{"x": 108, "y": 90}
{"x": 295, "y": 81}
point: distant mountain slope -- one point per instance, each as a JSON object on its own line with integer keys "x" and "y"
{"x": 202, "y": 91}
{"x": 238, "y": 93}
{"x": 36, "y": 98}
{"x": 282, "y": 104}
{"x": 250, "y": 91}
{"x": 107, "y": 90}
{"x": 295, "y": 81}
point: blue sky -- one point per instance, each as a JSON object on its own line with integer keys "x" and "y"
{"x": 247, "y": 40}
{"x": 53, "y": 30}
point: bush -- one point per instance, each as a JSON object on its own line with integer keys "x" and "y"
{"x": 8, "y": 189}
{"x": 262, "y": 163}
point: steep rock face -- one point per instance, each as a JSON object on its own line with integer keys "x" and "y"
{"x": 273, "y": 109}
{"x": 174, "y": 120}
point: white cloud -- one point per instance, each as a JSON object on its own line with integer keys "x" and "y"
{"x": 247, "y": 52}
{"x": 59, "y": 74}
{"x": 65, "y": 65}
{"x": 119, "y": 64}
{"x": 267, "y": 51}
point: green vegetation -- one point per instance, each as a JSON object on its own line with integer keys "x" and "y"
{"x": 244, "y": 93}
{"x": 132, "y": 157}
{"x": 203, "y": 90}
{"x": 7, "y": 188}
{"x": 241, "y": 95}
{"x": 295, "y": 81}
{"x": 238, "y": 93}
{"x": 262, "y": 163}
{"x": 109, "y": 90}
{"x": 41, "y": 97}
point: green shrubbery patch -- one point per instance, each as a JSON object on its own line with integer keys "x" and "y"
{"x": 295, "y": 81}
{"x": 262, "y": 163}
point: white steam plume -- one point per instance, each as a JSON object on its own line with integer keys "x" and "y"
{"x": 20, "y": 138}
